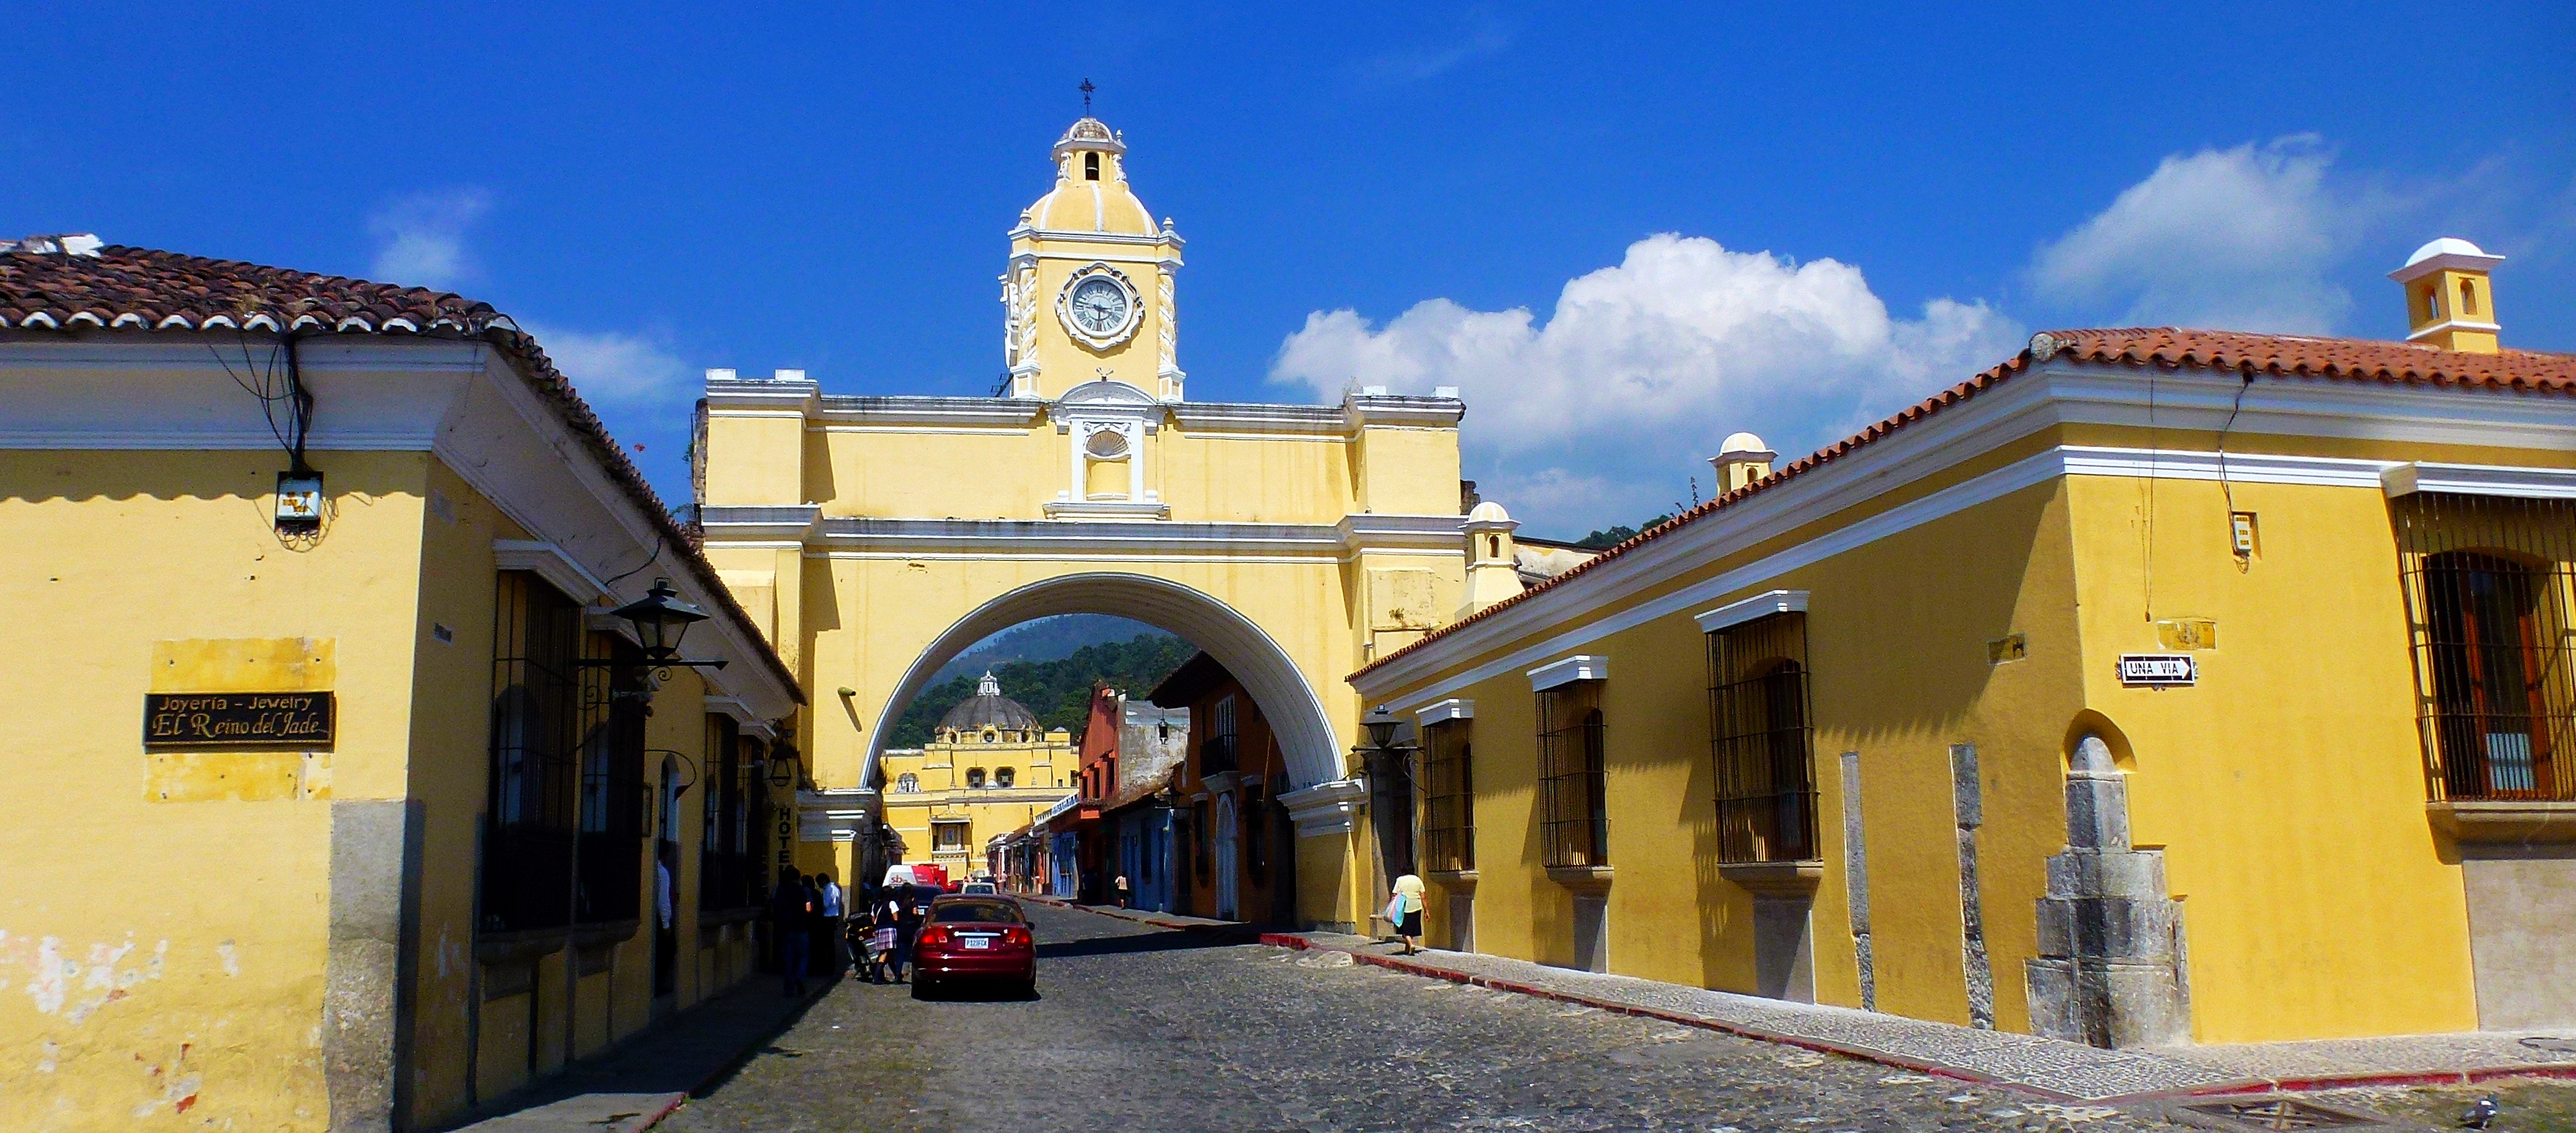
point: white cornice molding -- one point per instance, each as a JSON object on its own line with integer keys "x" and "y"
{"x": 2452, "y": 324}
{"x": 783, "y": 525}
{"x": 550, "y": 563}
{"x": 1580, "y": 667}
{"x": 1758, "y": 606}
{"x": 985, "y": 412}
{"x": 1441, "y": 712}
{"x": 1219, "y": 418}
{"x": 1325, "y": 808}
{"x": 1377, "y": 410}
{"x": 735, "y": 396}
{"x": 1045, "y": 538}
{"x": 2479, "y": 480}
{"x": 1086, "y": 236}
{"x": 116, "y": 390}
{"x": 1371, "y": 531}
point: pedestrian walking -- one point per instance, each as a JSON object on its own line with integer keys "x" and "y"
{"x": 1404, "y": 912}
{"x": 834, "y": 956}
{"x": 911, "y": 902}
{"x": 1121, "y": 886}
{"x": 789, "y": 905}
{"x": 881, "y": 934}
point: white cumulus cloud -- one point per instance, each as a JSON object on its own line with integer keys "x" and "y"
{"x": 420, "y": 238}
{"x": 614, "y": 368}
{"x": 1600, "y": 414}
{"x": 2234, "y": 239}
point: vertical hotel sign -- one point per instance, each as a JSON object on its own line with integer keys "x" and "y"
{"x": 239, "y": 719}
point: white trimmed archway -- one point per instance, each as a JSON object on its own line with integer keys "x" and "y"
{"x": 1295, "y": 712}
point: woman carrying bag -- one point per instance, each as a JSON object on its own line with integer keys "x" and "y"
{"x": 1404, "y": 912}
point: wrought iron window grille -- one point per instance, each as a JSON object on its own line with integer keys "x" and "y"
{"x": 1761, "y": 741}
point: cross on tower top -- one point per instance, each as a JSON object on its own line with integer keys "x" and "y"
{"x": 1086, "y": 89}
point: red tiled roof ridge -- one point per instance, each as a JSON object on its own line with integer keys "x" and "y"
{"x": 123, "y": 287}
{"x": 2348, "y": 359}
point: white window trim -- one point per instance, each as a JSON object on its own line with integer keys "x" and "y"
{"x": 1580, "y": 667}
{"x": 1445, "y": 711}
{"x": 1761, "y": 605}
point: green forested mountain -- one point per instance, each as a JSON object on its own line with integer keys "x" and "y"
{"x": 1059, "y": 691}
{"x": 1045, "y": 639}
{"x": 1607, "y": 538}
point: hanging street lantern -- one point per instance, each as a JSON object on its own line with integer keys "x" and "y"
{"x": 661, "y": 620}
{"x": 1381, "y": 728}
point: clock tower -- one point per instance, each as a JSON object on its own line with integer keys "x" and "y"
{"x": 1089, "y": 292}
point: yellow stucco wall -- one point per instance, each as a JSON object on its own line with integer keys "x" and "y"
{"x": 2297, "y": 751}
{"x": 178, "y": 972}
{"x": 2285, "y": 789}
{"x": 1899, "y": 674}
{"x": 175, "y": 960}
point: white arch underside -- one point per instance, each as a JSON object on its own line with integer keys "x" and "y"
{"x": 1287, "y": 700}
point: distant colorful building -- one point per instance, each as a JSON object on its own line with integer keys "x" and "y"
{"x": 1230, "y": 830}
{"x": 990, "y": 768}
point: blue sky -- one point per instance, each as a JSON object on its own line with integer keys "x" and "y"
{"x": 1783, "y": 218}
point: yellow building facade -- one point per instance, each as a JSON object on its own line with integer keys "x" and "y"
{"x": 335, "y": 804}
{"x": 990, "y": 768}
{"x": 2154, "y": 686}
{"x": 875, "y": 538}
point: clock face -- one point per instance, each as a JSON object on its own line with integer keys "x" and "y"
{"x": 1099, "y": 306}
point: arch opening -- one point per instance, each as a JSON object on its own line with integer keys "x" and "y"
{"x": 1296, "y": 713}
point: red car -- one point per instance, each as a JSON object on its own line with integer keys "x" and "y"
{"x": 977, "y": 938}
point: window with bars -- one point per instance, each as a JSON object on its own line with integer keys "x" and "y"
{"x": 609, "y": 867}
{"x": 1575, "y": 824}
{"x": 728, "y": 863}
{"x": 1448, "y": 798}
{"x": 2490, "y": 584}
{"x": 1218, "y": 751}
{"x": 532, "y": 807}
{"x": 1761, "y": 740}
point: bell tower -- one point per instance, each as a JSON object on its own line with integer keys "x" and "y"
{"x": 1088, "y": 296}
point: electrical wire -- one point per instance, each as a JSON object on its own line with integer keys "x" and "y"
{"x": 275, "y": 386}
{"x": 2224, "y": 488}
{"x": 649, "y": 561}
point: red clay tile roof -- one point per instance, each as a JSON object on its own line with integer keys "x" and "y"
{"x": 144, "y": 289}
{"x": 2266, "y": 355}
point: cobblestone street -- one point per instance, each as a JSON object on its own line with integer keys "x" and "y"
{"x": 1139, "y": 1029}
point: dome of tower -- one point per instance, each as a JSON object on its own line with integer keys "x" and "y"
{"x": 1742, "y": 442}
{"x": 2446, "y": 246}
{"x": 988, "y": 708}
{"x": 1091, "y": 193}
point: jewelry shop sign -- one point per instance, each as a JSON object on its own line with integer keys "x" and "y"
{"x": 239, "y": 719}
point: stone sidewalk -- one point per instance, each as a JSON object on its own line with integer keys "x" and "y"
{"x": 2049, "y": 1068}
{"x": 637, "y": 1083}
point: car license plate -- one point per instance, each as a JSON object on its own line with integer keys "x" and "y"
{"x": 974, "y": 943}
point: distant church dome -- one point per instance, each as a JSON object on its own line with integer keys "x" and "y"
{"x": 1091, "y": 193}
{"x": 988, "y": 708}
